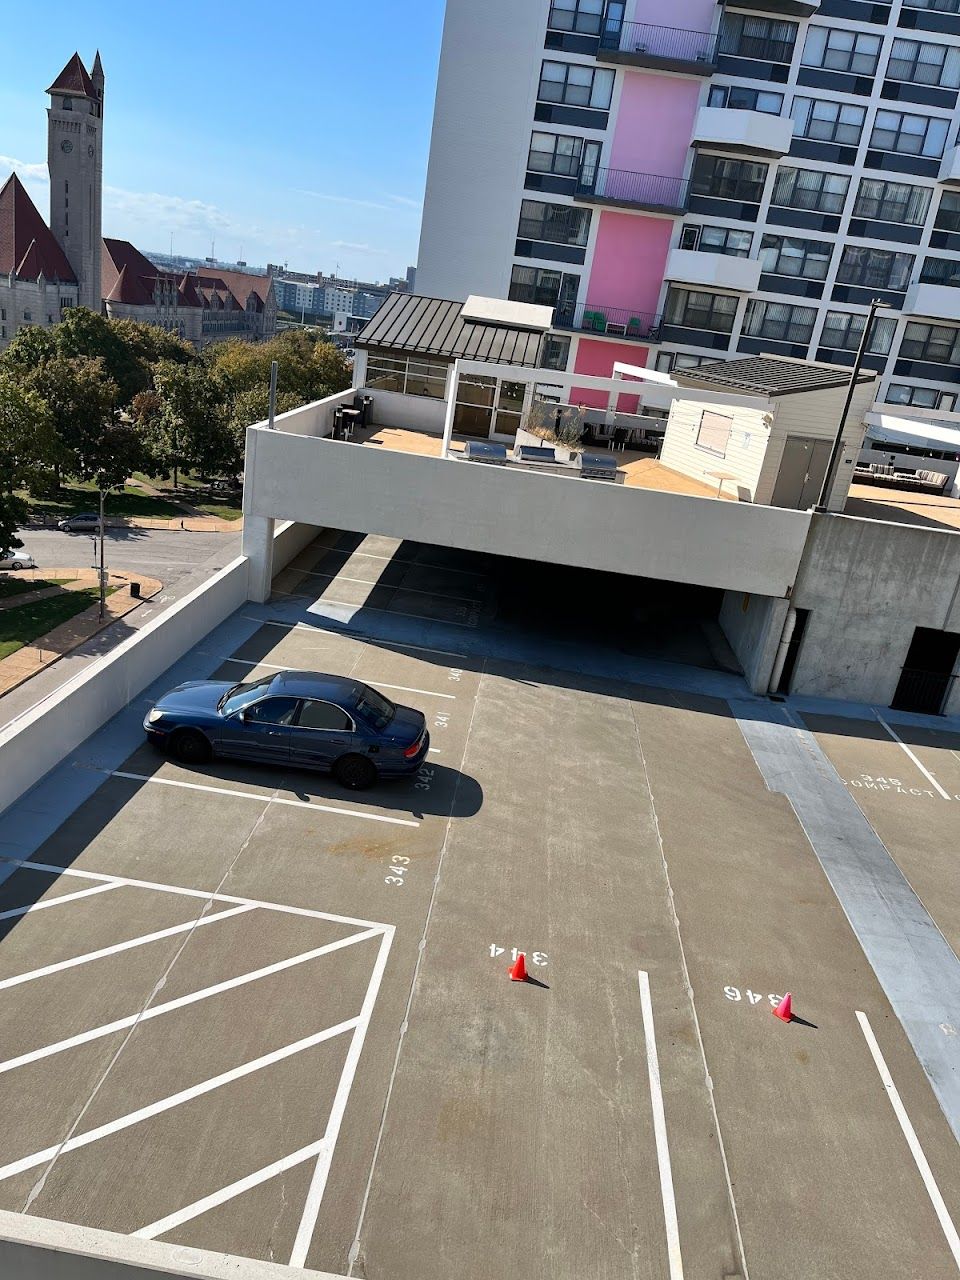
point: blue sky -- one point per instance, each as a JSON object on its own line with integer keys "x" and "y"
{"x": 293, "y": 131}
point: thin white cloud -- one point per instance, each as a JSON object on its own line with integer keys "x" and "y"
{"x": 407, "y": 202}
{"x": 172, "y": 212}
{"x": 25, "y": 169}
{"x": 358, "y": 204}
{"x": 358, "y": 248}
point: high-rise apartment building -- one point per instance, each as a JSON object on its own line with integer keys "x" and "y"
{"x": 745, "y": 179}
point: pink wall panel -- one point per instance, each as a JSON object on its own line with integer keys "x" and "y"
{"x": 629, "y": 261}
{"x": 597, "y": 359}
{"x": 691, "y": 15}
{"x": 654, "y": 123}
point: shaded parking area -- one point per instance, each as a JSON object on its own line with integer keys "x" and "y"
{"x": 248, "y": 1011}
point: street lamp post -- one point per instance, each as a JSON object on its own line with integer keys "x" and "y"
{"x": 821, "y": 505}
{"x": 103, "y": 580}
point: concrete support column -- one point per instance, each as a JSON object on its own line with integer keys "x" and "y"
{"x": 258, "y": 548}
{"x": 452, "y": 390}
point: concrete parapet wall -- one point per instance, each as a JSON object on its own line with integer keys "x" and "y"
{"x": 509, "y": 512}
{"x": 39, "y": 1249}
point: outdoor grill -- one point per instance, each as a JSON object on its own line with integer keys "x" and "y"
{"x": 598, "y": 466}
{"x": 485, "y": 451}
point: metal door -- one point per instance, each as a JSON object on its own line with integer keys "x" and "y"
{"x": 261, "y": 731}
{"x": 802, "y": 470}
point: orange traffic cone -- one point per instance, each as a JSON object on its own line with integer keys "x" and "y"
{"x": 784, "y": 1010}
{"x": 518, "y": 971}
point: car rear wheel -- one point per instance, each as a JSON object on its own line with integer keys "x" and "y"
{"x": 191, "y": 747}
{"x": 355, "y": 772}
{"x": 17, "y": 564}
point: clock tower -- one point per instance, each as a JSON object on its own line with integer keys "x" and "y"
{"x": 75, "y": 162}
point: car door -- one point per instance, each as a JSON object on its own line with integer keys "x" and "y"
{"x": 322, "y": 734}
{"x": 260, "y": 731}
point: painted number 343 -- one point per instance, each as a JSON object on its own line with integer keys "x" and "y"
{"x": 399, "y": 866}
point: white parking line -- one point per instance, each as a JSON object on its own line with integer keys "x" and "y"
{"x": 320, "y": 630}
{"x": 926, "y": 772}
{"x": 276, "y": 666}
{"x": 184, "y": 892}
{"x": 369, "y": 555}
{"x": 56, "y": 902}
{"x": 175, "y": 1100}
{"x": 144, "y": 938}
{"x": 389, "y": 586}
{"x": 660, "y": 1131}
{"x": 913, "y": 1142}
{"x": 155, "y": 1011}
{"x": 260, "y": 799}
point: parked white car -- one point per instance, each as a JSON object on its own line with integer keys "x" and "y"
{"x": 17, "y": 560}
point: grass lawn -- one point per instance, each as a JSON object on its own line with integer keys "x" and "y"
{"x": 199, "y": 494}
{"x": 28, "y": 622}
{"x": 78, "y": 496}
{"x": 20, "y": 586}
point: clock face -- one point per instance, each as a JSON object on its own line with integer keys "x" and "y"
{"x": 66, "y": 145}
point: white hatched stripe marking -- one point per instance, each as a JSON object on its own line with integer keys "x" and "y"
{"x": 923, "y": 769}
{"x": 216, "y": 1198}
{"x": 190, "y": 893}
{"x": 144, "y": 938}
{"x": 913, "y": 1142}
{"x": 175, "y": 1100}
{"x": 264, "y": 800}
{"x": 56, "y": 902}
{"x": 155, "y": 1011}
{"x": 276, "y": 666}
{"x": 318, "y": 1183}
{"x": 660, "y": 1132}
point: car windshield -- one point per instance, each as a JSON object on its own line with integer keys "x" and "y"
{"x": 375, "y": 707}
{"x": 241, "y": 695}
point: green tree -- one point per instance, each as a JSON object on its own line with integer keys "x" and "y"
{"x": 80, "y": 399}
{"x": 27, "y": 441}
{"x": 150, "y": 344}
{"x": 190, "y": 423}
{"x": 83, "y": 333}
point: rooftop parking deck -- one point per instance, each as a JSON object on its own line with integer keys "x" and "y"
{"x": 929, "y": 511}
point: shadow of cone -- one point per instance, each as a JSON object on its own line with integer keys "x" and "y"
{"x": 518, "y": 971}
{"x": 784, "y": 1010}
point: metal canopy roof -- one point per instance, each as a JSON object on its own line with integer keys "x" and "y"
{"x": 771, "y": 375}
{"x": 436, "y": 327}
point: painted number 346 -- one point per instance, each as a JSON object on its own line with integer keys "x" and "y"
{"x": 734, "y": 994}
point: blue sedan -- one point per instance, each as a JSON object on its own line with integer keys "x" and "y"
{"x": 298, "y": 718}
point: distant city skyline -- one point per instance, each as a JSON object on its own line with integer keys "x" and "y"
{"x": 259, "y": 155}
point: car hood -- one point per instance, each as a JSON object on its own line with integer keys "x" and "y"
{"x": 195, "y": 695}
{"x": 406, "y": 726}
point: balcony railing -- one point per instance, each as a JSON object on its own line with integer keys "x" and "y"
{"x": 617, "y": 322}
{"x": 756, "y": 47}
{"x": 648, "y": 46}
{"x": 639, "y": 190}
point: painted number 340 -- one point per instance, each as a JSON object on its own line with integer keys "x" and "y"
{"x": 734, "y": 994}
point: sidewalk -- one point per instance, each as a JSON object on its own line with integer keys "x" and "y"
{"x": 48, "y": 649}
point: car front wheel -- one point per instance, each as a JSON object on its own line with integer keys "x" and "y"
{"x": 191, "y": 747}
{"x": 16, "y": 565}
{"x": 355, "y": 772}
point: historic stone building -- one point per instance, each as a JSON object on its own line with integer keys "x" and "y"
{"x": 46, "y": 269}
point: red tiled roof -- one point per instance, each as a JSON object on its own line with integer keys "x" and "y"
{"x": 126, "y": 275}
{"x": 73, "y": 79}
{"x": 27, "y": 245}
{"x": 240, "y": 283}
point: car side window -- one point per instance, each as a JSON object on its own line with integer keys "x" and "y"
{"x": 272, "y": 711}
{"x": 324, "y": 715}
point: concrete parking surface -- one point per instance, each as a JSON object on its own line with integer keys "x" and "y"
{"x": 248, "y": 1011}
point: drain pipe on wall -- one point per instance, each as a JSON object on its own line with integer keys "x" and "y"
{"x": 789, "y": 623}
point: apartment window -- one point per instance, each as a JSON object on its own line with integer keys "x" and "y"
{"x": 582, "y": 16}
{"x": 874, "y": 268}
{"x": 555, "y": 353}
{"x": 561, "y": 154}
{"x": 948, "y": 215}
{"x": 909, "y": 135}
{"x": 842, "y": 330}
{"x": 667, "y": 361}
{"x": 554, "y": 223}
{"x": 694, "y": 309}
{"x": 920, "y": 397}
{"x": 543, "y": 287}
{"x": 734, "y": 96}
{"x": 767, "y": 39}
{"x": 917, "y": 62}
{"x": 576, "y": 86}
{"x": 789, "y": 256}
{"x": 835, "y": 50}
{"x": 409, "y": 375}
{"x": 938, "y": 6}
{"x": 941, "y": 271}
{"x": 827, "y": 121}
{"x": 779, "y": 321}
{"x": 892, "y": 202}
{"x": 28, "y": 315}
{"x": 813, "y": 189}
{"x": 728, "y": 179}
{"x": 713, "y": 434}
{"x": 727, "y": 240}
{"x": 938, "y": 343}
